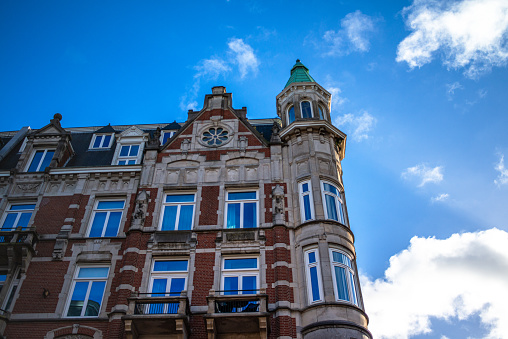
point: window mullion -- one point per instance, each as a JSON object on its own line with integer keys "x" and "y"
{"x": 105, "y": 223}
{"x": 177, "y": 221}
{"x": 85, "y": 302}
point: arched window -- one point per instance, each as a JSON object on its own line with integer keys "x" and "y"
{"x": 321, "y": 114}
{"x": 306, "y": 109}
{"x": 344, "y": 283}
{"x": 291, "y": 114}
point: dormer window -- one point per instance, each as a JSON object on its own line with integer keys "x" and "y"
{"x": 291, "y": 114}
{"x": 306, "y": 109}
{"x": 100, "y": 141}
{"x": 166, "y": 135}
{"x": 128, "y": 155}
{"x": 40, "y": 160}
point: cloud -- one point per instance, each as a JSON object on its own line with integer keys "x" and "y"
{"x": 441, "y": 197}
{"x": 360, "y": 124}
{"x": 211, "y": 68}
{"x": 461, "y": 276}
{"x": 469, "y": 34}
{"x": 502, "y": 178}
{"x": 356, "y": 29}
{"x": 450, "y": 89}
{"x": 424, "y": 174}
{"x": 244, "y": 57}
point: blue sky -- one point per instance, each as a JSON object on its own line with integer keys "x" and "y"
{"x": 418, "y": 86}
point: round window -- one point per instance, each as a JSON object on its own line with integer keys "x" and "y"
{"x": 215, "y": 136}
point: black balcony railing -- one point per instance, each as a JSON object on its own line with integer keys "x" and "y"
{"x": 236, "y": 306}
{"x": 237, "y": 301}
{"x": 158, "y": 303}
{"x": 20, "y": 235}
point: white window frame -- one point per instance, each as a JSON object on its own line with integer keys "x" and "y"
{"x": 12, "y": 290}
{"x": 302, "y": 201}
{"x": 311, "y": 110}
{"x": 287, "y": 113}
{"x": 242, "y": 204}
{"x": 179, "y": 207}
{"x": 32, "y": 156}
{"x": 18, "y": 212}
{"x": 102, "y": 145}
{"x": 23, "y": 145}
{"x": 75, "y": 279}
{"x": 168, "y": 274}
{"x": 308, "y": 266}
{"x": 104, "y": 226}
{"x": 321, "y": 111}
{"x": 352, "y": 287}
{"x": 339, "y": 203}
{"x": 239, "y": 273}
{"x": 171, "y": 133}
{"x": 129, "y": 157}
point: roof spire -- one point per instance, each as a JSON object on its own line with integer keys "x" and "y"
{"x": 299, "y": 73}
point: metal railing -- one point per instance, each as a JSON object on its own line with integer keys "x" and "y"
{"x": 158, "y": 304}
{"x": 19, "y": 236}
{"x": 237, "y": 301}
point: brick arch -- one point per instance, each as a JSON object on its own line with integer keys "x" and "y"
{"x": 75, "y": 331}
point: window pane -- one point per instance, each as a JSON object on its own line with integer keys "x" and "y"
{"x": 240, "y": 263}
{"x": 24, "y": 219}
{"x": 98, "y": 224}
{"x": 185, "y": 222}
{"x": 241, "y": 195}
{"x": 113, "y": 224}
{"x": 109, "y": 205}
{"x": 305, "y": 187}
{"x": 124, "y": 151}
{"x": 306, "y": 206}
{"x": 97, "y": 142}
{"x": 78, "y": 298}
{"x": 291, "y": 114}
{"x": 306, "y": 111}
{"x": 35, "y": 161}
{"x": 340, "y": 278}
{"x": 121, "y": 162}
{"x": 9, "y": 221}
{"x": 134, "y": 150}
{"x": 249, "y": 285}
{"x": 249, "y": 215}
{"x": 321, "y": 115}
{"x": 331, "y": 208}
{"x": 132, "y": 162}
{"x": 159, "y": 287}
{"x": 47, "y": 160}
{"x": 330, "y": 188}
{"x": 177, "y": 286}
{"x": 233, "y": 219}
{"x": 312, "y": 257}
{"x": 93, "y": 272}
{"x": 170, "y": 265}
{"x": 168, "y": 221}
{"x": 353, "y": 287}
{"x": 231, "y": 285}
{"x": 180, "y": 198}
{"x": 166, "y": 137}
{"x": 95, "y": 298}
{"x": 22, "y": 207}
{"x": 314, "y": 283}
{"x": 341, "y": 213}
{"x": 107, "y": 139}
{"x": 339, "y": 257}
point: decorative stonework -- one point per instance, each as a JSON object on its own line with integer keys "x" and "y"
{"x": 215, "y": 135}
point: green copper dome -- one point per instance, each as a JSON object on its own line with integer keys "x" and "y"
{"x": 299, "y": 73}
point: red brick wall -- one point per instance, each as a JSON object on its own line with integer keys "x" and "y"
{"x": 51, "y": 215}
{"x": 37, "y": 330}
{"x": 203, "y": 277}
{"x": 209, "y": 205}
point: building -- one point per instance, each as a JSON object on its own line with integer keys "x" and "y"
{"x": 218, "y": 227}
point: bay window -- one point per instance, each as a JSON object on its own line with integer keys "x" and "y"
{"x": 313, "y": 276}
{"x": 306, "y": 201}
{"x": 332, "y": 202}
{"x": 344, "y": 282}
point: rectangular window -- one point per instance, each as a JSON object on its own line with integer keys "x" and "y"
{"x": 313, "y": 275}
{"x": 166, "y": 135}
{"x": 306, "y": 201}
{"x": 177, "y": 212}
{"x": 343, "y": 277}
{"x": 101, "y": 141}
{"x": 240, "y": 276}
{"x": 18, "y": 215}
{"x": 128, "y": 155}
{"x": 106, "y": 218}
{"x": 168, "y": 278}
{"x": 40, "y": 160}
{"x": 242, "y": 209}
{"x": 333, "y": 203}
{"x": 87, "y": 291}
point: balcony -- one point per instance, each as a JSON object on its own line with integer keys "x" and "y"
{"x": 154, "y": 314}
{"x": 4, "y": 319}
{"x": 237, "y": 315}
{"x": 17, "y": 246}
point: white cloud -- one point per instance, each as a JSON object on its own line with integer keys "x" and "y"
{"x": 353, "y": 36}
{"x": 439, "y": 198}
{"x": 502, "y": 178}
{"x": 360, "y": 124}
{"x": 424, "y": 174}
{"x": 461, "y": 276}
{"x": 244, "y": 57}
{"x": 337, "y": 98}
{"x": 211, "y": 68}
{"x": 472, "y": 34}
{"x": 450, "y": 89}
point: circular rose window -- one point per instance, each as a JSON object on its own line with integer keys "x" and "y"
{"x": 215, "y": 136}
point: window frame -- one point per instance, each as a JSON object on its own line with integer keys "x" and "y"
{"x": 12, "y": 290}
{"x": 128, "y": 157}
{"x": 339, "y": 202}
{"x": 19, "y": 213}
{"x": 172, "y": 274}
{"x": 289, "y": 116}
{"x": 308, "y": 266}
{"x": 239, "y": 273}
{"x": 302, "y": 201}
{"x": 41, "y": 161}
{"x": 352, "y": 286}
{"x": 104, "y": 226}
{"x": 179, "y": 208}
{"x": 170, "y": 134}
{"x": 90, "y": 280}
{"x": 321, "y": 112}
{"x": 311, "y": 109}
{"x": 242, "y": 204}
{"x": 101, "y": 145}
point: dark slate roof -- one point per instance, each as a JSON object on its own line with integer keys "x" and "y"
{"x": 89, "y": 157}
{"x": 265, "y": 130}
{"x": 172, "y": 126}
{"x": 11, "y": 160}
{"x": 106, "y": 129}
